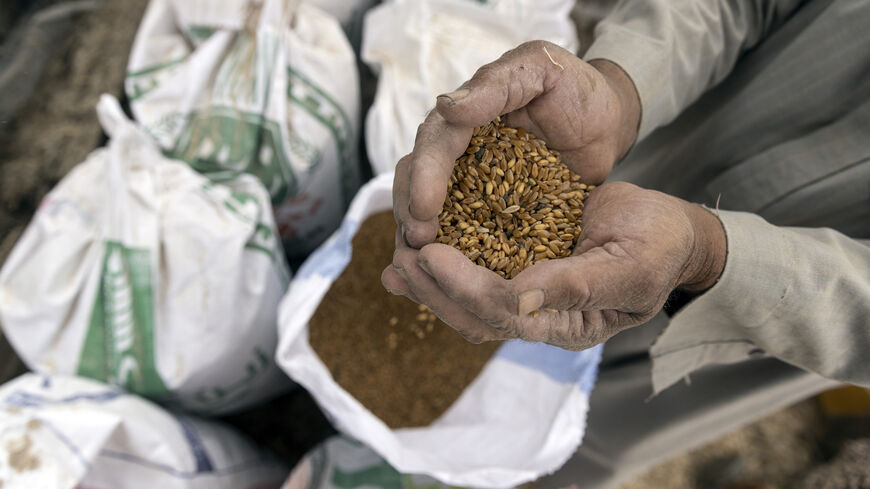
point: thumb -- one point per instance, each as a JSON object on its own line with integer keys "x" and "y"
{"x": 594, "y": 280}
{"x": 505, "y": 85}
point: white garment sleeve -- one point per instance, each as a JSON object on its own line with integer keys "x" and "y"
{"x": 799, "y": 294}
{"x": 674, "y": 50}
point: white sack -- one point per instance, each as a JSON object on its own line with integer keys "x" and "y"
{"x": 345, "y": 11}
{"x": 522, "y": 417}
{"x": 138, "y": 271}
{"x": 272, "y": 91}
{"x": 341, "y": 462}
{"x": 348, "y": 12}
{"x": 62, "y": 432}
{"x": 423, "y": 48}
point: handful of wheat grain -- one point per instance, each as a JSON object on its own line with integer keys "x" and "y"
{"x": 511, "y": 201}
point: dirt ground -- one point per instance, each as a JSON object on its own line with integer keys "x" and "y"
{"x": 58, "y": 127}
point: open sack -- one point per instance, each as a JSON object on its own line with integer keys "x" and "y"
{"x": 522, "y": 417}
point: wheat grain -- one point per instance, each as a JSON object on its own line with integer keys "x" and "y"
{"x": 512, "y": 202}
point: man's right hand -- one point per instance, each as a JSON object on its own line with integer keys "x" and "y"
{"x": 587, "y": 111}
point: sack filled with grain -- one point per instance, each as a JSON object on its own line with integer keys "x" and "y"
{"x": 349, "y": 13}
{"x": 422, "y": 48}
{"x": 341, "y": 462}
{"x": 389, "y": 374}
{"x": 263, "y": 87}
{"x": 142, "y": 273}
{"x": 64, "y": 432}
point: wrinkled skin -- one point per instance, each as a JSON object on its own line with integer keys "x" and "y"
{"x": 587, "y": 116}
{"x": 636, "y": 245}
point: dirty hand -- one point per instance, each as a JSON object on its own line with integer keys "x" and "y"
{"x": 587, "y": 111}
{"x": 636, "y": 246}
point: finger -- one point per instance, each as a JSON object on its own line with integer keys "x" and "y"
{"x": 428, "y": 291}
{"x": 508, "y": 83}
{"x": 391, "y": 278}
{"x": 593, "y": 281}
{"x": 583, "y": 245}
{"x": 490, "y": 297}
{"x": 598, "y": 279}
{"x": 396, "y": 285}
{"x": 430, "y": 165}
{"x": 505, "y": 85}
{"x": 584, "y": 242}
{"x": 474, "y": 287}
{"x": 414, "y": 232}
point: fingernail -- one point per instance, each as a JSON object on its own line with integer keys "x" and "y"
{"x": 456, "y": 95}
{"x": 394, "y": 292}
{"x": 423, "y": 264}
{"x": 530, "y": 300}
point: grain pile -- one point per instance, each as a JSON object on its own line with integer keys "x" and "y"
{"x": 511, "y": 202}
{"x": 395, "y": 357}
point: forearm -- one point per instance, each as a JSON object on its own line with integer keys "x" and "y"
{"x": 674, "y": 50}
{"x": 799, "y": 294}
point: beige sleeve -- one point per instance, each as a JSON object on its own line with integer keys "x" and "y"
{"x": 674, "y": 50}
{"x": 799, "y": 294}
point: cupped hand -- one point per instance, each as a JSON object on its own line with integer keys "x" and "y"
{"x": 587, "y": 111}
{"x": 636, "y": 246}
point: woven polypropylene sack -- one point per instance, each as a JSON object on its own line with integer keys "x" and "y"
{"x": 267, "y": 88}
{"x": 422, "y": 48}
{"x": 522, "y": 417}
{"x": 64, "y": 432}
{"x": 138, "y": 271}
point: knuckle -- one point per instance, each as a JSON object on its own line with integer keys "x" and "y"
{"x": 537, "y": 44}
{"x": 509, "y": 325}
{"x": 403, "y": 258}
{"x": 404, "y": 163}
{"x": 488, "y": 72}
{"x": 577, "y": 339}
{"x": 427, "y": 128}
{"x": 575, "y": 292}
{"x": 586, "y": 331}
{"x": 420, "y": 135}
{"x": 562, "y": 333}
{"x": 536, "y": 49}
{"x": 528, "y": 46}
{"x": 617, "y": 187}
{"x": 566, "y": 337}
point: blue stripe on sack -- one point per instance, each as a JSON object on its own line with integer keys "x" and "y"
{"x": 255, "y": 465}
{"x": 329, "y": 260}
{"x": 28, "y": 399}
{"x": 567, "y": 367}
{"x": 203, "y": 463}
